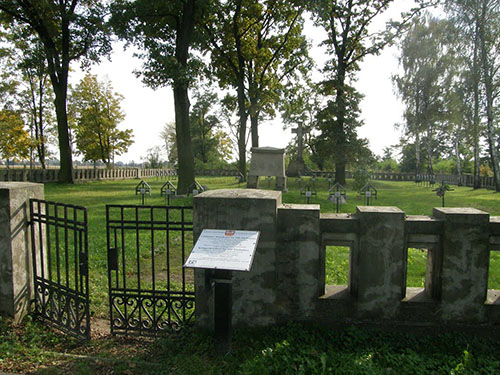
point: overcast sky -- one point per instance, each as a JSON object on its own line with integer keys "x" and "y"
{"x": 147, "y": 110}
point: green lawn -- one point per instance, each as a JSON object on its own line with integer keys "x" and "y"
{"x": 415, "y": 200}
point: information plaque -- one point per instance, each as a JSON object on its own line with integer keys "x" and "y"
{"x": 231, "y": 250}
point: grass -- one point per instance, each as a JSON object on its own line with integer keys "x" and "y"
{"x": 291, "y": 349}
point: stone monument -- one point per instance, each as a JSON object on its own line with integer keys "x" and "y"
{"x": 267, "y": 161}
{"x": 297, "y": 167}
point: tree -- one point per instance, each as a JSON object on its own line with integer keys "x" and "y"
{"x": 25, "y": 72}
{"x": 69, "y": 31}
{"x": 153, "y": 158}
{"x": 98, "y": 114}
{"x": 478, "y": 21}
{"x": 348, "y": 42}
{"x": 165, "y": 32}
{"x": 352, "y": 149}
{"x": 170, "y": 143}
{"x": 15, "y": 141}
{"x": 425, "y": 85}
{"x": 255, "y": 47}
{"x": 210, "y": 142}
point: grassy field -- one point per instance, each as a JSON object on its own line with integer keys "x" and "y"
{"x": 292, "y": 349}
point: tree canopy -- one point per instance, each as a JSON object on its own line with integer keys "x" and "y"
{"x": 98, "y": 113}
{"x": 69, "y": 30}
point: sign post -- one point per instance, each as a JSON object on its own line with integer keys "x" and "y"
{"x": 223, "y": 251}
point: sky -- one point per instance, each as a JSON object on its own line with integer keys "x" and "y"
{"x": 148, "y": 110}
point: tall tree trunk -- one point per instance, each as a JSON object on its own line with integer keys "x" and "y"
{"x": 242, "y": 131}
{"x": 457, "y": 155}
{"x": 65, "y": 156}
{"x": 181, "y": 100}
{"x": 488, "y": 85}
{"x": 418, "y": 153}
{"x": 242, "y": 111}
{"x": 254, "y": 124}
{"x": 476, "y": 78}
{"x": 183, "y": 137}
{"x": 339, "y": 131}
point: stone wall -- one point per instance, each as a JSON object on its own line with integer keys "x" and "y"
{"x": 287, "y": 281}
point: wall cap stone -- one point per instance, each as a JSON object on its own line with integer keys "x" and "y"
{"x": 303, "y": 207}
{"x": 239, "y": 194}
{"x": 379, "y": 209}
{"x": 17, "y": 185}
{"x": 458, "y": 211}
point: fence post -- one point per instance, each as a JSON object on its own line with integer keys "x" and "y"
{"x": 15, "y": 247}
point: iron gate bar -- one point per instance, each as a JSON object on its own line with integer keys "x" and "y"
{"x": 55, "y": 301}
{"x": 145, "y": 309}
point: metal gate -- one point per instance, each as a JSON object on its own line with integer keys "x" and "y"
{"x": 149, "y": 289}
{"x": 60, "y": 266}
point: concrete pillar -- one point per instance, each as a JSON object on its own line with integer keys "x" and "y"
{"x": 254, "y": 292}
{"x": 464, "y": 274}
{"x": 15, "y": 247}
{"x": 299, "y": 267}
{"x": 378, "y": 273}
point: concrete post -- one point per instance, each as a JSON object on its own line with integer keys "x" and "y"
{"x": 464, "y": 275}
{"x": 255, "y": 292}
{"x": 378, "y": 276}
{"x": 299, "y": 267}
{"x": 15, "y": 247}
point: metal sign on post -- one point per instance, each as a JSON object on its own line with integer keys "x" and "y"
{"x": 143, "y": 188}
{"x": 369, "y": 192}
{"x": 337, "y": 194}
{"x": 167, "y": 190}
{"x": 223, "y": 251}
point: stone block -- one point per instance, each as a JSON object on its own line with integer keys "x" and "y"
{"x": 267, "y": 161}
{"x": 465, "y": 260}
{"x": 15, "y": 247}
{"x": 378, "y": 261}
{"x": 299, "y": 273}
{"x": 254, "y": 292}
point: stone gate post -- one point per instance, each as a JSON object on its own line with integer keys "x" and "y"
{"x": 15, "y": 247}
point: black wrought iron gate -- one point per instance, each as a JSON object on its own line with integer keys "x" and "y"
{"x": 60, "y": 266}
{"x": 149, "y": 289}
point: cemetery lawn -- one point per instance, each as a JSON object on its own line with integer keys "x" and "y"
{"x": 291, "y": 349}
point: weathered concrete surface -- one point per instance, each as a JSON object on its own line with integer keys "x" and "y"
{"x": 267, "y": 161}
{"x": 299, "y": 267}
{"x": 15, "y": 246}
{"x": 255, "y": 292}
{"x": 464, "y": 275}
{"x": 379, "y": 261}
